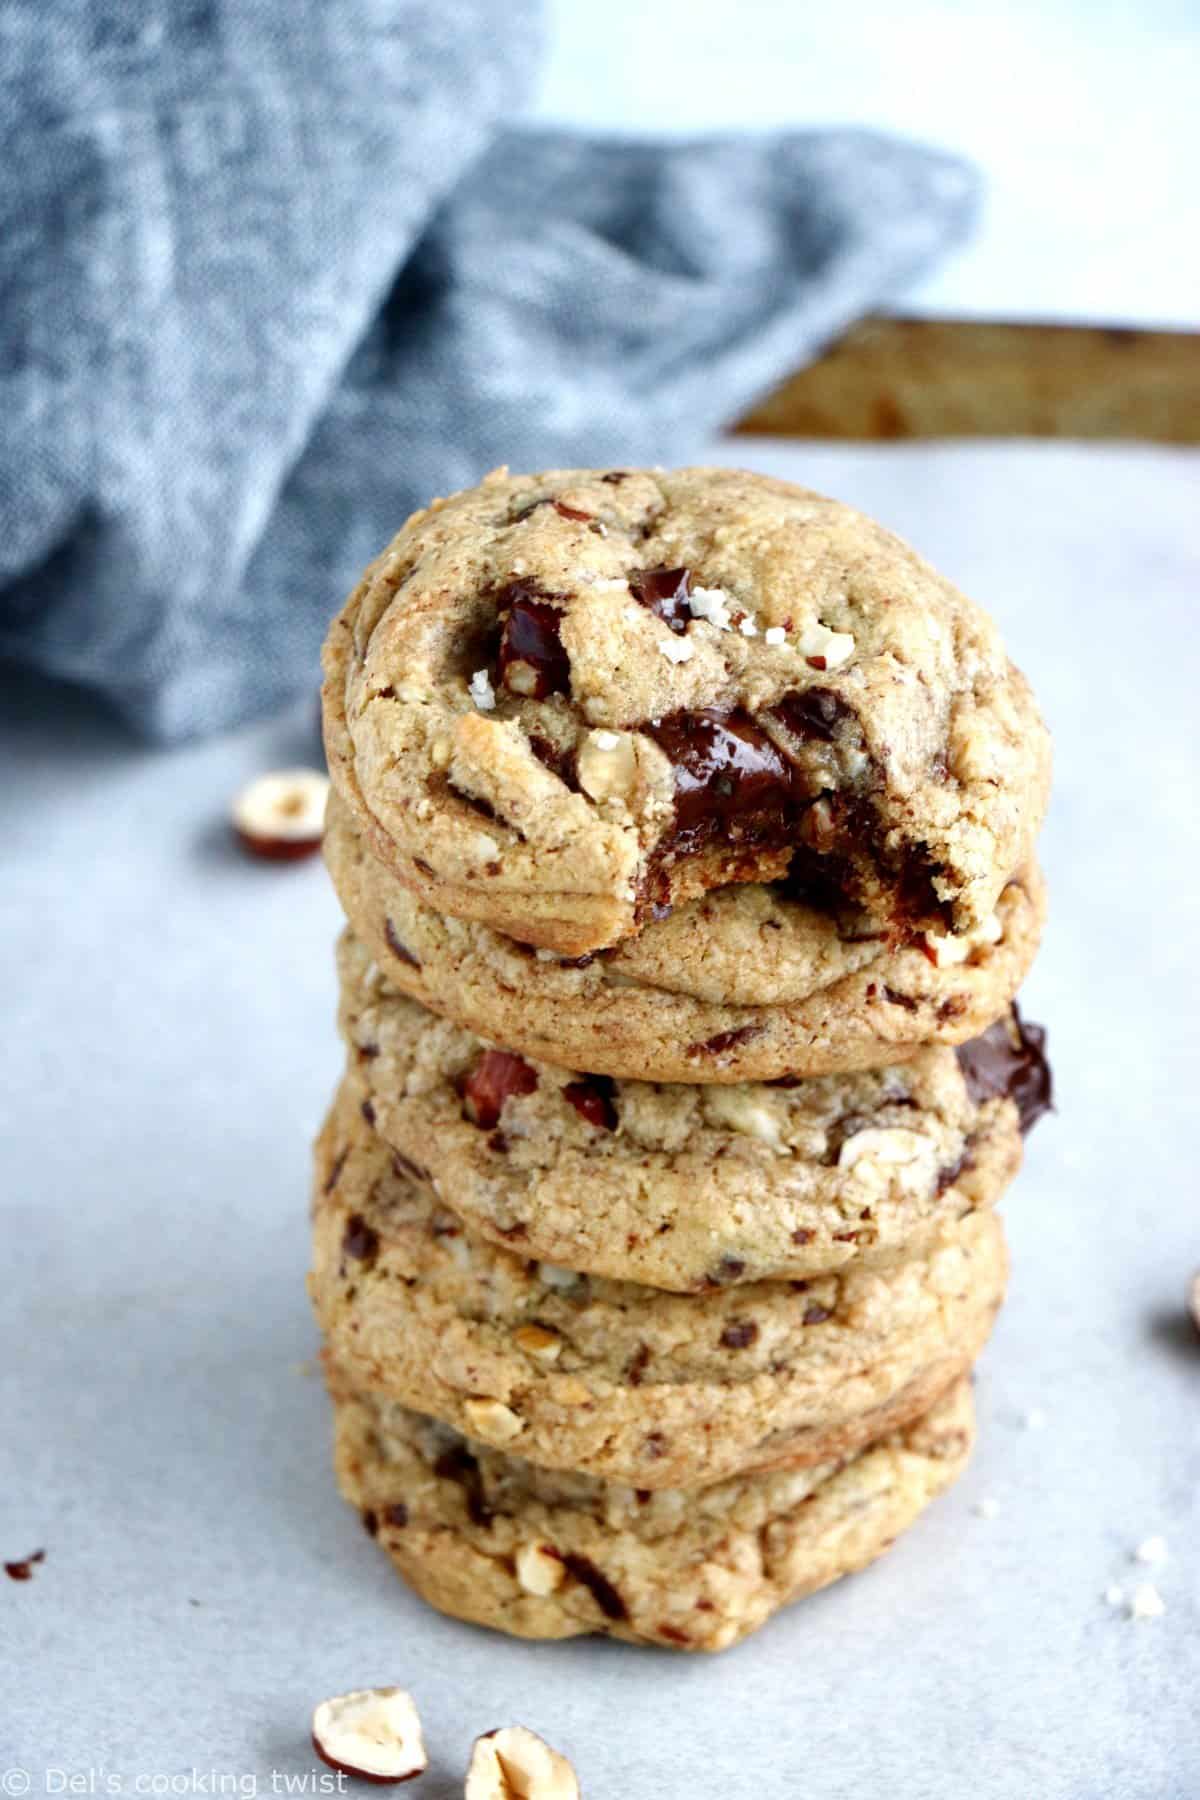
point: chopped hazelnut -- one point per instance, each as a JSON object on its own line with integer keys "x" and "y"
{"x": 281, "y": 817}
{"x": 492, "y": 1421}
{"x": 539, "y": 1570}
{"x": 515, "y": 1764}
{"x": 542, "y": 1345}
{"x": 373, "y": 1732}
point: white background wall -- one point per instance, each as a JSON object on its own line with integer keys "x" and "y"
{"x": 1084, "y": 118}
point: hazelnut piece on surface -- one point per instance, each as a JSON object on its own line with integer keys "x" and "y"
{"x": 515, "y": 1764}
{"x": 281, "y": 816}
{"x": 373, "y": 1733}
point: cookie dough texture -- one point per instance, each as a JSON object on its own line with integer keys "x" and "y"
{"x": 742, "y": 985}
{"x": 684, "y": 1187}
{"x": 539, "y": 797}
{"x": 484, "y": 1536}
{"x": 615, "y": 1379}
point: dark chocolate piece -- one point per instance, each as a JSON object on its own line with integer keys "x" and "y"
{"x": 664, "y": 592}
{"x": 529, "y": 637}
{"x": 1009, "y": 1061}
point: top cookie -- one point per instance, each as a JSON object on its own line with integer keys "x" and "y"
{"x": 561, "y": 703}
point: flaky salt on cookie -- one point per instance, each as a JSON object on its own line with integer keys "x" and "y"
{"x": 560, "y": 704}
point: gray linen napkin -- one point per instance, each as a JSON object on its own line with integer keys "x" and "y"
{"x": 272, "y": 272}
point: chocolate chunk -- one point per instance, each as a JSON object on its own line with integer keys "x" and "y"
{"x": 598, "y": 1585}
{"x": 802, "y": 1235}
{"x": 407, "y": 1169}
{"x": 459, "y": 1465}
{"x": 739, "y": 1334}
{"x": 531, "y": 658}
{"x": 559, "y": 762}
{"x": 560, "y": 506}
{"x": 904, "y": 1000}
{"x": 664, "y": 592}
{"x": 1009, "y": 1061}
{"x": 811, "y": 713}
{"x": 488, "y": 1085}
{"x": 396, "y": 1514}
{"x": 731, "y": 781}
{"x": 673, "y": 1634}
{"x": 726, "y": 1040}
{"x": 335, "y": 1169}
{"x": 370, "y": 1522}
{"x": 368, "y": 1112}
{"x": 730, "y": 1268}
{"x": 359, "y": 1240}
{"x": 22, "y": 1570}
{"x": 947, "y": 1176}
{"x": 815, "y": 1314}
{"x": 592, "y": 1099}
{"x": 635, "y": 1369}
{"x": 654, "y": 1446}
{"x": 615, "y": 477}
{"x": 398, "y": 949}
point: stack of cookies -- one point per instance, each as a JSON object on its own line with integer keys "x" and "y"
{"x": 685, "y": 828}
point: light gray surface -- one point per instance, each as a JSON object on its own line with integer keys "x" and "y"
{"x": 168, "y": 1047}
{"x": 1081, "y": 118}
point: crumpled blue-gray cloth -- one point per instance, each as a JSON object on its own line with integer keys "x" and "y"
{"x": 272, "y": 272}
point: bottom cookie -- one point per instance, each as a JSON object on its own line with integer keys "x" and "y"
{"x": 541, "y": 1554}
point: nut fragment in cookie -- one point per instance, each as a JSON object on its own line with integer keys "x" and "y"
{"x": 617, "y": 1379}
{"x": 685, "y": 1569}
{"x": 681, "y": 1186}
{"x": 515, "y": 1764}
{"x": 804, "y": 699}
{"x": 281, "y": 817}
{"x": 372, "y": 1733}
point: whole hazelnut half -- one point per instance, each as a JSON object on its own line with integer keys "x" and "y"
{"x": 515, "y": 1764}
{"x": 374, "y": 1733}
{"x": 281, "y": 816}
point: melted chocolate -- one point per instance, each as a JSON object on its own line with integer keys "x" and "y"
{"x": 559, "y": 762}
{"x": 597, "y": 1583}
{"x": 731, "y": 781}
{"x": 359, "y": 1240}
{"x": 1009, "y": 1061}
{"x": 664, "y": 592}
{"x": 459, "y": 1465}
{"x": 396, "y": 947}
{"x": 811, "y": 713}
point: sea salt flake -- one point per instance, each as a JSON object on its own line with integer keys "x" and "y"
{"x": 482, "y": 691}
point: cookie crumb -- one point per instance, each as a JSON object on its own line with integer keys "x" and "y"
{"x": 676, "y": 649}
{"x": 1147, "y": 1602}
{"x": 987, "y": 1508}
{"x": 22, "y": 1569}
{"x": 1151, "y": 1550}
{"x": 482, "y": 691}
